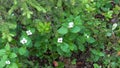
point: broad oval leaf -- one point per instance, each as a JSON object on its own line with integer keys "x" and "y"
{"x": 63, "y": 30}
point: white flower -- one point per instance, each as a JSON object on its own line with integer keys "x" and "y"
{"x": 87, "y": 35}
{"x": 23, "y": 41}
{"x": 60, "y": 40}
{"x": 7, "y": 62}
{"x": 29, "y": 32}
{"x": 71, "y": 24}
{"x": 114, "y": 26}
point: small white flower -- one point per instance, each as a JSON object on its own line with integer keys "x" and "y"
{"x": 23, "y": 41}
{"x": 71, "y": 24}
{"x": 29, "y": 32}
{"x": 7, "y": 62}
{"x": 87, "y": 35}
{"x": 114, "y": 26}
{"x": 60, "y": 40}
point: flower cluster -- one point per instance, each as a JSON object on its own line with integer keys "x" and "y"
{"x": 24, "y": 40}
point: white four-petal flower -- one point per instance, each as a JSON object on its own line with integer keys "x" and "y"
{"x": 29, "y": 32}
{"x": 7, "y": 62}
{"x": 23, "y": 41}
{"x": 60, "y": 40}
{"x": 71, "y": 24}
{"x": 114, "y": 26}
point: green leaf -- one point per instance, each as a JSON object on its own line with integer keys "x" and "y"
{"x": 2, "y": 52}
{"x": 59, "y": 51}
{"x": 96, "y": 65}
{"x": 22, "y": 50}
{"x": 37, "y": 44}
{"x": 13, "y": 65}
{"x": 75, "y": 29}
{"x": 101, "y": 54}
{"x": 73, "y": 2}
{"x": 60, "y": 65}
{"x": 7, "y": 47}
{"x": 81, "y": 40}
{"x": 59, "y": 3}
{"x": 2, "y": 61}
{"x": 90, "y": 40}
{"x": 72, "y": 47}
{"x": 78, "y": 21}
{"x": 36, "y": 5}
{"x": 81, "y": 47}
{"x": 113, "y": 65}
{"x": 12, "y": 9}
{"x": 97, "y": 52}
{"x": 108, "y": 34}
{"x": 15, "y": 2}
{"x": 29, "y": 42}
{"x": 65, "y": 47}
{"x": 12, "y": 25}
{"x": 63, "y": 30}
{"x": 26, "y": 10}
{"x": 74, "y": 61}
{"x": 42, "y": 27}
{"x": 13, "y": 55}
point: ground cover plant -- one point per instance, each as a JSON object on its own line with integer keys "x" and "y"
{"x": 59, "y": 34}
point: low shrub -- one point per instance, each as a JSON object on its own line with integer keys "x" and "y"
{"x": 37, "y": 33}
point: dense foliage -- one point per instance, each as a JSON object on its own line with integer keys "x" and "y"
{"x": 37, "y": 33}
